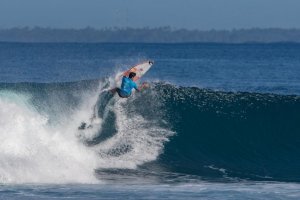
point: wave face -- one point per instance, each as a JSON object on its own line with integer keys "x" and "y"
{"x": 232, "y": 135}
{"x": 178, "y": 130}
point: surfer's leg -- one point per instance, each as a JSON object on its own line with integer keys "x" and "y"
{"x": 118, "y": 90}
{"x": 114, "y": 90}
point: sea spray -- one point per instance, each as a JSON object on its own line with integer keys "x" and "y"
{"x": 34, "y": 152}
{"x": 42, "y": 143}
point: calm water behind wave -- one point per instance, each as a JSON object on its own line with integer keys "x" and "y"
{"x": 234, "y": 67}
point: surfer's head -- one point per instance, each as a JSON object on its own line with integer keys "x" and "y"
{"x": 132, "y": 74}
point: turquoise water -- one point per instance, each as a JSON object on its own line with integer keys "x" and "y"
{"x": 219, "y": 121}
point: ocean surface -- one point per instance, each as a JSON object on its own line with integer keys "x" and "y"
{"x": 219, "y": 121}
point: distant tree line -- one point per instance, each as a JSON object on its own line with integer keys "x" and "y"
{"x": 148, "y": 35}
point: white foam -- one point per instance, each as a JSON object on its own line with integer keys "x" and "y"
{"x": 142, "y": 144}
{"x": 31, "y": 151}
{"x": 35, "y": 151}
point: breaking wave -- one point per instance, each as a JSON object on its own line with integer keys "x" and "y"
{"x": 164, "y": 129}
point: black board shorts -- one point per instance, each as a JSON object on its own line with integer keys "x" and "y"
{"x": 120, "y": 95}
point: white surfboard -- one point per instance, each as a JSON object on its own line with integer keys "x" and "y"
{"x": 139, "y": 69}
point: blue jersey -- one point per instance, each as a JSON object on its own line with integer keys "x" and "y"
{"x": 127, "y": 86}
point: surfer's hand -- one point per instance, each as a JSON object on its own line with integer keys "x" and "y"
{"x": 144, "y": 85}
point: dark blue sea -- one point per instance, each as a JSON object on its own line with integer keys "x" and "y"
{"x": 219, "y": 121}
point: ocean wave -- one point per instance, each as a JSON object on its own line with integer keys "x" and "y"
{"x": 163, "y": 130}
{"x": 232, "y": 135}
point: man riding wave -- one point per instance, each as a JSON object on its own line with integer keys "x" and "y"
{"x": 127, "y": 85}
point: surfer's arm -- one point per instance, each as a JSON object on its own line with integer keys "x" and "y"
{"x": 136, "y": 87}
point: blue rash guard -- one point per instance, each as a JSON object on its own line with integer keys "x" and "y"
{"x": 127, "y": 86}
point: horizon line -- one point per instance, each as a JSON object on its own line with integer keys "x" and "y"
{"x": 115, "y": 28}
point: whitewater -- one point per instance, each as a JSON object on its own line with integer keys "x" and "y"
{"x": 42, "y": 147}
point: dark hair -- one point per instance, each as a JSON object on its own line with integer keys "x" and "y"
{"x": 132, "y": 74}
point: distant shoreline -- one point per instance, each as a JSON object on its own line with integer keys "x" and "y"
{"x": 148, "y": 35}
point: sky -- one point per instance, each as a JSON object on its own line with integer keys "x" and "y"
{"x": 189, "y": 14}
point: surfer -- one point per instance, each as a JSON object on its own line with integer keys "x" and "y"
{"x": 127, "y": 85}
